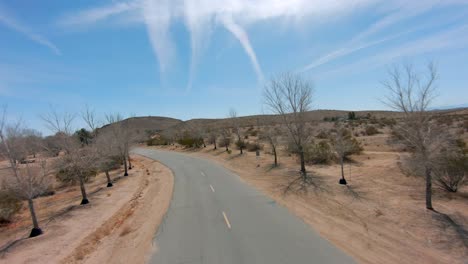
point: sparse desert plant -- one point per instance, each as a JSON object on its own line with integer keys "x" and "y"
{"x": 10, "y": 204}
{"x": 322, "y": 135}
{"x": 319, "y": 153}
{"x": 452, "y": 167}
{"x": 253, "y": 146}
{"x": 371, "y": 130}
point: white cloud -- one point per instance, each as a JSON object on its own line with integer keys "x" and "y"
{"x": 393, "y": 13}
{"x": 201, "y": 16}
{"x": 10, "y": 22}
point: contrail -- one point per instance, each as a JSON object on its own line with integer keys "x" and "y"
{"x": 157, "y": 16}
{"x": 243, "y": 38}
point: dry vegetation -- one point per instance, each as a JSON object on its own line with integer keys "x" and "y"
{"x": 114, "y": 228}
{"x": 378, "y": 217}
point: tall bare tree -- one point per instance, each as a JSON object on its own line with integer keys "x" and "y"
{"x": 235, "y": 123}
{"x": 290, "y": 96}
{"x": 78, "y": 163}
{"x": 412, "y": 94}
{"x": 29, "y": 180}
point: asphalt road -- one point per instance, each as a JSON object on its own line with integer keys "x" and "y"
{"x": 215, "y": 218}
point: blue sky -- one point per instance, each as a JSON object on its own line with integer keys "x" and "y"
{"x": 198, "y": 58}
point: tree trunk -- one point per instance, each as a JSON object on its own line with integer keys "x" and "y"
{"x": 129, "y": 162}
{"x": 83, "y": 192}
{"x": 109, "y": 182}
{"x": 125, "y": 166}
{"x": 303, "y": 169}
{"x": 276, "y": 157}
{"x": 36, "y": 231}
{"x": 241, "y": 150}
{"x": 227, "y": 147}
{"x": 215, "y": 145}
{"x": 429, "y": 189}
{"x": 342, "y": 180}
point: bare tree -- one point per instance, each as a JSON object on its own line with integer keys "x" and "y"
{"x": 235, "y": 123}
{"x": 212, "y": 137}
{"x": 271, "y": 134}
{"x": 290, "y": 96}
{"x": 225, "y": 138}
{"x": 79, "y": 161}
{"x": 89, "y": 117}
{"x": 412, "y": 94}
{"x": 30, "y": 179}
{"x": 108, "y": 154}
{"x": 343, "y": 145}
{"x": 122, "y": 135}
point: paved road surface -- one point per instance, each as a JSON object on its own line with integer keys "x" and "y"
{"x": 215, "y": 218}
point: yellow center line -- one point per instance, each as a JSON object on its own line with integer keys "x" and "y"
{"x": 227, "y": 220}
{"x": 212, "y": 189}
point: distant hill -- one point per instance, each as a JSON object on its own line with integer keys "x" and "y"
{"x": 147, "y": 125}
{"x": 143, "y": 127}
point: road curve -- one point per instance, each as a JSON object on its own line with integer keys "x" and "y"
{"x": 215, "y": 218}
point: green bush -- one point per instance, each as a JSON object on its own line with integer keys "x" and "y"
{"x": 9, "y": 206}
{"x": 371, "y": 130}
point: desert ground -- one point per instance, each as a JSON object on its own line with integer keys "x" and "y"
{"x": 117, "y": 226}
{"x": 379, "y": 217}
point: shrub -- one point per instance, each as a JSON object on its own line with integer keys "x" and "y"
{"x": 320, "y": 153}
{"x": 69, "y": 176}
{"x": 9, "y": 206}
{"x": 254, "y": 133}
{"x": 371, "y": 130}
{"x": 159, "y": 141}
{"x": 189, "y": 141}
{"x": 322, "y": 135}
{"x": 452, "y": 168}
{"x": 240, "y": 144}
{"x": 253, "y": 146}
{"x": 390, "y": 122}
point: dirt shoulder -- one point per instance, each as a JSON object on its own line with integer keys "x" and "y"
{"x": 116, "y": 227}
{"x": 378, "y": 218}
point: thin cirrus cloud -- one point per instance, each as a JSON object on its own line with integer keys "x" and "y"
{"x": 9, "y": 21}
{"x": 202, "y": 16}
{"x": 391, "y": 15}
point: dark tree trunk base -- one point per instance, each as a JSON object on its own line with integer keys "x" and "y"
{"x": 343, "y": 181}
{"x": 130, "y": 167}
{"x": 109, "y": 185}
{"x": 126, "y": 174}
{"x": 84, "y": 201}
{"x": 35, "y": 232}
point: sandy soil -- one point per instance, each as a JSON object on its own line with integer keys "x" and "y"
{"x": 116, "y": 227}
{"x": 379, "y": 217}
